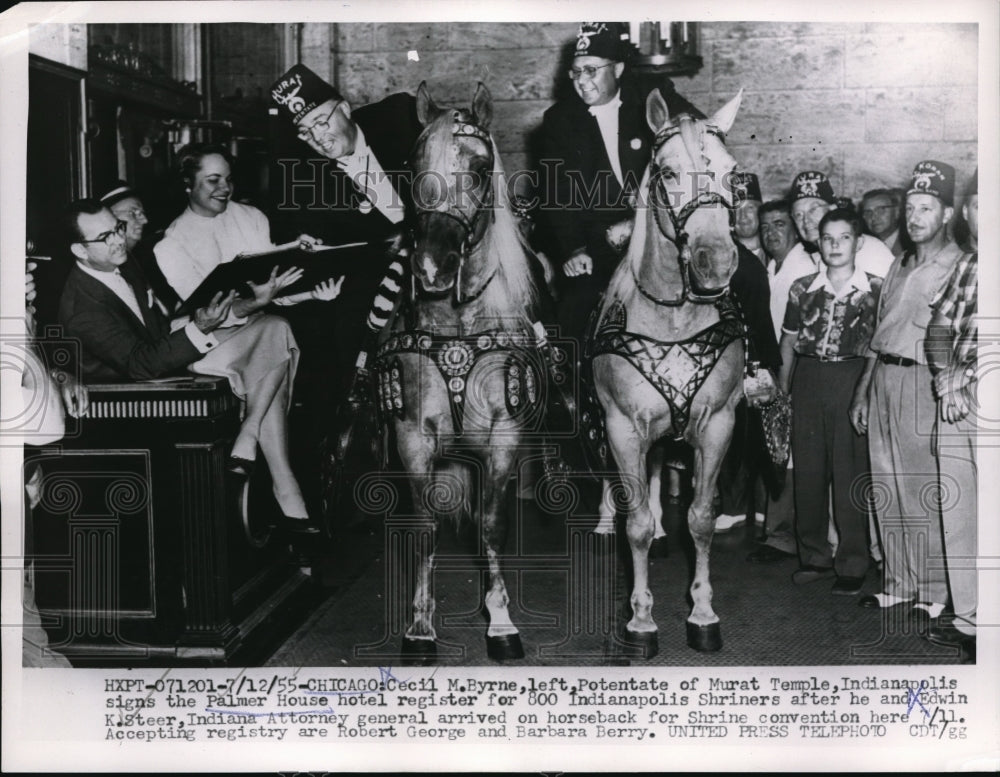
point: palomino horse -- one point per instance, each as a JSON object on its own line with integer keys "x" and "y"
{"x": 668, "y": 348}
{"x": 459, "y": 373}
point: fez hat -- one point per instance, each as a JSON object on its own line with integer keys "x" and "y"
{"x": 120, "y": 191}
{"x": 602, "y": 39}
{"x": 812, "y": 183}
{"x": 936, "y": 178}
{"x": 300, "y": 90}
{"x": 745, "y": 186}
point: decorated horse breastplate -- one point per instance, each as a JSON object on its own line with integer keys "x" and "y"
{"x": 675, "y": 369}
{"x": 455, "y": 357}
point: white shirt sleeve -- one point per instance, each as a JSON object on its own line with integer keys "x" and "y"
{"x": 200, "y": 340}
{"x": 178, "y": 266}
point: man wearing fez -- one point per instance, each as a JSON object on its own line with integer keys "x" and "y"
{"x": 741, "y": 486}
{"x": 812, "y": 198}
{"x": 747, "y": 199}
{"x": 951, "y": 353}
{"x": 596, "y": 144}
{"x": 365, "y": 200}
{"x": 894, "y": 401}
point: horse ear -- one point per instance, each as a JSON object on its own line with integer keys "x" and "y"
{"x": 726, "y": 115}
{"x": 656, "y": 110}
{"x": 482, "y": 106}
{"x": 426, "y": 109}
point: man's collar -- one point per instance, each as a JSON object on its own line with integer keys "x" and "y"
{"x": 610, "y": 106}
{"x": 361, "y": 150}
{"x": 99, "y": 274}
{"x": 859, "y": 281}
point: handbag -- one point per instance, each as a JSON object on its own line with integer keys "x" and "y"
{"x": 776, "y": 419}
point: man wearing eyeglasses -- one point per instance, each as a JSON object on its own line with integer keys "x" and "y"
{"x": 596, "y": 144}
{"x": 124, "y": 203}
{"x": 108, "y": 305}
{"x": 880, "y": 209}
{"x": 360, "y": 197}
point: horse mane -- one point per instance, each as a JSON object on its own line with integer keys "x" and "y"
{"x": 622, "y": 283}
{"x": 512, "y": 298}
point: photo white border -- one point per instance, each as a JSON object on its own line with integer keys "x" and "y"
{"x": 34, "y": 701}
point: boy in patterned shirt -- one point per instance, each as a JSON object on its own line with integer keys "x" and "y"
{"x": 828, "y": 325}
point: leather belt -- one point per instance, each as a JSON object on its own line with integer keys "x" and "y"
{"x": 899, "y": 361}
{"x": 830, "y": 358}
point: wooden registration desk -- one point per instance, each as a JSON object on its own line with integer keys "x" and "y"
{"x": 145, "y": 549}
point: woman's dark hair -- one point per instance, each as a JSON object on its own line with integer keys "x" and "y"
{"x": 189, "y": 159}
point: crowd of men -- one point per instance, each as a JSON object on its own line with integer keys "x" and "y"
{"x": 864, "y": 314}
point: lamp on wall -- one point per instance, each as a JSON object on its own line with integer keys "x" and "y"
{"x": 665, "y": 48}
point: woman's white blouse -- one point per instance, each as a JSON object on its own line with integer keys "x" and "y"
{"x": 195, "y": 245}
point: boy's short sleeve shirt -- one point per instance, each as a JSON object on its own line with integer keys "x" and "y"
{"x": 828, "y": 324}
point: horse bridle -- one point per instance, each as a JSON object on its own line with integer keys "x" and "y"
{"x": 658, "y": 201}
{"x": 474, "y": 227}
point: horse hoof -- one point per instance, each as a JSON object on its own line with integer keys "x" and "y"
{"x": 645, "y": 642}
{"x": 706, "y": 639}
{"x": 504, "y": 647}
{"x": 419, "y": 652}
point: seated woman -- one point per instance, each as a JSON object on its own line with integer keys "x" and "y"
{"x": 213, "y": 230}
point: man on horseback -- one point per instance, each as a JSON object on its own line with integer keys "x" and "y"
{"x": 596, "y": 146}
{"x": 369, "y": 147}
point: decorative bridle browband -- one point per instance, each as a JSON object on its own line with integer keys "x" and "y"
{"x": 680, "y": 218}
{"x": 659, "y": 201}
{"x": 474, "y": 227}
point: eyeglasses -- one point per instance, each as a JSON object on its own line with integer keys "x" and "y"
{"x": 105, "y": 237}
{"x": 877, "y": 210}
{"x": 320, "y": 125}
{"x": 587, "y": 70}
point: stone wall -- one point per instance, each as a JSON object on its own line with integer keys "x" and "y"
{"x": 861, "y": 102}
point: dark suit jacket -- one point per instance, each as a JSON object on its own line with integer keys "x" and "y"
{"x": 750, "y": 286}
{"x": 391, "y": 128}
{"x": 115, "y": 345}
{"x": 582, "y": 196}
